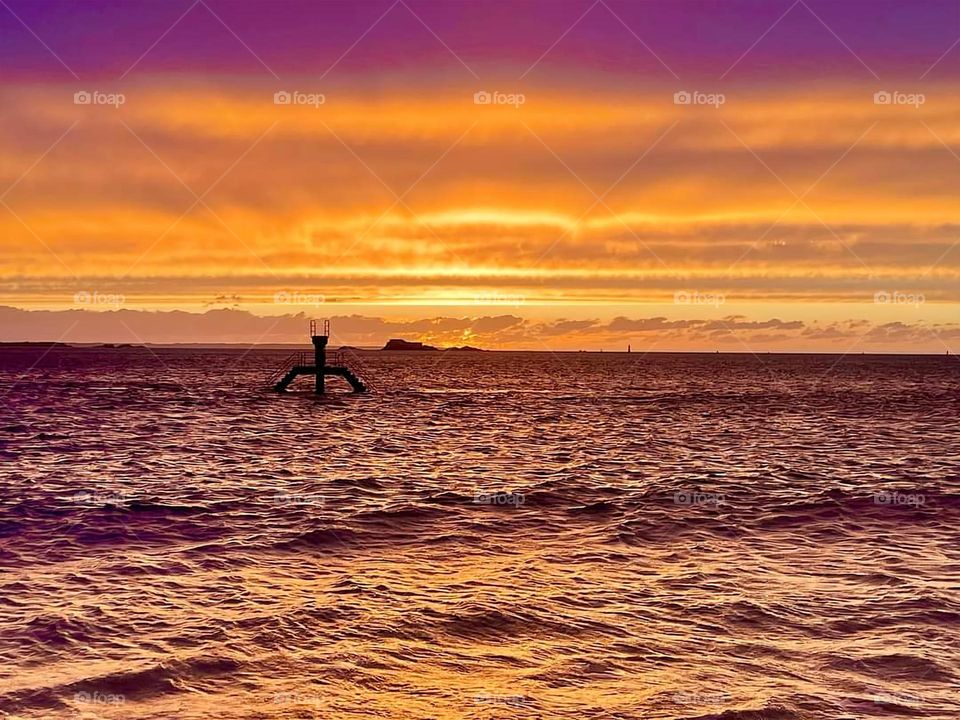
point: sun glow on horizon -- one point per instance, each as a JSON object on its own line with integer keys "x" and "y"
{"x": 606, "y": 198}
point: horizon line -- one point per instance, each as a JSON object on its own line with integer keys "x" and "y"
{"x": 54, "y": 344}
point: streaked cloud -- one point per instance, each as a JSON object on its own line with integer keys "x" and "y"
{"x": 314, "y": 192}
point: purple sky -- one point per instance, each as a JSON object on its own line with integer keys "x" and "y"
{"x": 697, "y": 39}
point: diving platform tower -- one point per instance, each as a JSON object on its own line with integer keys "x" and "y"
{"x": 298, "y": 364}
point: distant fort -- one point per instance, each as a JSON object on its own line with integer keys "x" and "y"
{"x": 407, "y": 346}
{"x": 398, "y": 344}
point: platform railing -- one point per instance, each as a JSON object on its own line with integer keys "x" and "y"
{"x": 300, "y": 357}
{"x": 352, "y": 361}
{"x": 306, "y": 358}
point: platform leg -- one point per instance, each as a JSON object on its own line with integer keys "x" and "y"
{"x": 319, "y": 361}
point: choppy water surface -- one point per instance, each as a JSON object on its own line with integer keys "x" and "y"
{"x": 500, "y": 535}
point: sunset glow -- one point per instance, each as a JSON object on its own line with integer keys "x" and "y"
{"x": 384, "y": 183}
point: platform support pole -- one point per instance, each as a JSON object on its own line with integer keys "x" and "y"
{"x": 319, "y": 360}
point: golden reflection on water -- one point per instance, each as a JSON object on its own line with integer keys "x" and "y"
{"x": 633, "y": 546}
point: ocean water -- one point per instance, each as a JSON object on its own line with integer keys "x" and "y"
{"x": 489, "y": 535}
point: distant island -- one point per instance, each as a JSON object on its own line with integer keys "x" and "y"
{"x": 34, "y": 343}
{"x": 408, "y": 346}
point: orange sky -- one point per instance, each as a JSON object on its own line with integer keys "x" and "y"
{"x": 401, "y": 198}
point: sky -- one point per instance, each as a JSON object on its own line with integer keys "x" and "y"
{"x": 672, "y": 175}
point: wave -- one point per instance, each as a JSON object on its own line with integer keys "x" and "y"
{"x": 157, "y": 679}
{"x": 773, "y": 712}
{"x": 894, "y": 666}
{"x": 320, "y": 538}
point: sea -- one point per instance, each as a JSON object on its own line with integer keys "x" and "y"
{"x": 483, "y": 535}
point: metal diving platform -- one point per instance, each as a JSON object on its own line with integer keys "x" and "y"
{"x": 299, "y": 363}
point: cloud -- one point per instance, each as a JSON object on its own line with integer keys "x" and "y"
{"x": 567, "y": 327}
{"x": 654, "y": 324}
{"x": 308, "y": 194}
{"x": 734, "y": 323}
{"x": 734, "y": 333}
{"x": 228, "y": 326}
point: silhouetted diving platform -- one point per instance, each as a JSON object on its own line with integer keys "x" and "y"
{"x": 299, "y": 364}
